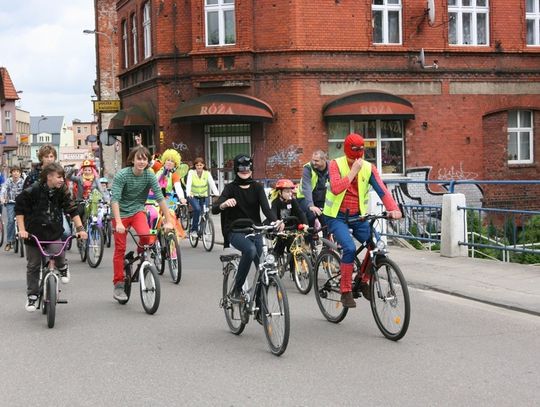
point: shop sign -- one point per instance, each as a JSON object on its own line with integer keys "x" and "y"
{"x": 216, "y": 108}
{"x": 106, "y": 106}
{"x": 75, "y": 156}
{"x": 376, "y": 109}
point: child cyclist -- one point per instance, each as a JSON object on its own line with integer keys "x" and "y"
{"x": 129, "y": 192}
{"x": 38, "y": 210}
{"x": 10, "y": 190}
{"x": 283, "y": 206}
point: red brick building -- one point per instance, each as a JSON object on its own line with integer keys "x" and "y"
{"x": 280, "y": 79}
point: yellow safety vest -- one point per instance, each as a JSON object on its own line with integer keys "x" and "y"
{"x": 314, "y": 179}
{"x": 332, "y": 202}
{"x": 199, "y": 186}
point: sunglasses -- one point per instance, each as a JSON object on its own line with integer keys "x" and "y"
{"x": 244, "y": 168}
{"x": 357, "y": 148}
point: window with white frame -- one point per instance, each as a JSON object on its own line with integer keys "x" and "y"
{"x": 125, "y": 42}
{"x": 386, "y": 21}
{"x": 468, "y": 22}
{"x": 532, "y": 15}
{"x": 134, "y": 38}
{"x": 383, "y": 142}
{"x": 44, "y": 138}
{"x": 147, "y": 34}
{"x": 520, "y": 136}
{"x": 220, "y": 22}
{"x": 7, "y": 122}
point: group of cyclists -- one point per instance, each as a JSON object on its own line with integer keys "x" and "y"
{"x": 329, "y": 193}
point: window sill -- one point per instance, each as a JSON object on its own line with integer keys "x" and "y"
{"x": 517, "y": 166}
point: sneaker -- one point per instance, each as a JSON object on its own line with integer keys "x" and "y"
{"x": 194, "y": 234}
{"x": 8, "y": 247}
{"x": 119, "y": 294}
{"x": 347, "y": 300}
{"x": 31, "y": 303}
{"x": 236, "y": 295}
{"x": 64, "y": 275}
{"x": 366, "y": 292}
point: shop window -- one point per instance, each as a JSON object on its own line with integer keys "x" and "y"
{"x": 384, "y": 142}
{"x": 147, "y": 32}
{"x": 386, "y": 21}
{"x": 220, "y": 22}
{"x": 532, "y": 16}
{"x": 520, "y": 137}
{"x": 468, "y": 22}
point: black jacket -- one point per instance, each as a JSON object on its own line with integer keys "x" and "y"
{"x": 284, "y": 209}
{"x": 42, "y": 208}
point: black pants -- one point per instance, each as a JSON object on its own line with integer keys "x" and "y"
{"x": 251, "y": 249}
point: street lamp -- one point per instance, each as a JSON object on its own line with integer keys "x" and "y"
{"x": 112, "y": 54}
{"x": 39, "y": 121}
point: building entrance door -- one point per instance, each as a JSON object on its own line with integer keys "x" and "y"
{"x": 223, "y": 143}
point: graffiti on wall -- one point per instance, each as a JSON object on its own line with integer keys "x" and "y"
{"x": 455, "y": 174}
{"x": 285, "y": 157}
{"x": 179, "y": 146}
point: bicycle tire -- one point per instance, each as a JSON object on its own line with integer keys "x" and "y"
{"x": 150, "y": 295}
{"x": 303, "y": 273}
{"x": 127, "y": 284}
{"x": 392, "y": 324}
{"x": 108, "y": 232}
{"x": 283, "y": 264}
{"x": 193, "y": 241}
{"x": 158, "y": 251}
{"x": 95, "y": 246}
{"x": 1, "y": 230}
{"x": 236, "y": 325}
{"x": 82, "y": 246}
{"x": 173, "y": 257}
{"x": 16, "y": 246}
{"x": 21, "y": 247}
{"x": 327, "y": 292}
{"x": 184, "y": 217}
{"x": 274, "y": 311}
{"x": 50, "y": 301}
{"x": 208, "y": 241}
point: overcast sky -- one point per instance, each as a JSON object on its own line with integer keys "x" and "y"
{"x": 48, "y": 57}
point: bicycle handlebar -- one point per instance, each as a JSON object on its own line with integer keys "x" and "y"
{"x": 251, "y": 228}
{"x": 41, "y": 242}
{"x": 135, "y": 235}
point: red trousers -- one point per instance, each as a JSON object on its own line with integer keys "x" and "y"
{"x": 137, "y": 222}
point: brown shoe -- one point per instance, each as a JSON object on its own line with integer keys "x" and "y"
{"x": 366, "y": 291}
{"x": 8, "y": 247}
{"x": 347, "y": 300}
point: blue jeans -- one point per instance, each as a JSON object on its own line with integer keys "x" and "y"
{"x": 340, "y": 229}
{"x": 196, "y": 204}
{"x": 10, "y": 213}
{"x": 251, "y": 249}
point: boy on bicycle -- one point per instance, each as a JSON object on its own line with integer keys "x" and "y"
{"x": 38, "y": 210}
{"x": 129, "y": 192}
{"x": 10, "y": 190}
{"x": 350, "y": 177}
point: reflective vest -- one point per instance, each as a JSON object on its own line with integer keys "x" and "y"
{"x": 332, "y": 202}
{"x": 199, "y": 186}
{"x": 314, "y": 180}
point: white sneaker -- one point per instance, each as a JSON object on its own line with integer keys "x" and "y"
{"x": 193, "y": 234}
{"x": 65, "y": 275}
{"x": 31, "y": 303}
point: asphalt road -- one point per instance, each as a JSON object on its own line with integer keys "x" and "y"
{"x": 456, "y": 352}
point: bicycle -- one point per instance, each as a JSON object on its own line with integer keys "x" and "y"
{"x": 1, "y": 228}
{"x": 49, "y": 291}
{"x": 390, "y": 304}
{"x": 149, "y": 283}
{"x": 183, "y": 213}
{"x": 265, "y": 298}
{"x": 206, "y": 230}
{"x": 92, "y": 250}
{"x": 18, "y": 243}
{"x": 297, "y": 258}
{"x": 104, "y": 214}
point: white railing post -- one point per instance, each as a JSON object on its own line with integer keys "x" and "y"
{"x": 375, "y": 206}
{"x": 453, "y": 227}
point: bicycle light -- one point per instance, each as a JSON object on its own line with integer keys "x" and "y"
{"x": 270, "y": 258}
{"x": 381, "y": 245}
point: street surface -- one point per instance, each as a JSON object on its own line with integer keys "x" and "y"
{"x": 456, "y": 352}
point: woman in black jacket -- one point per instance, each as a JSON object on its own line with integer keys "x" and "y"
{"x": 243, "y": 198}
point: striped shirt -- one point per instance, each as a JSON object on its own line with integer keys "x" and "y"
{"x": 131, "y": 191}
{"x": 11, "y": 189}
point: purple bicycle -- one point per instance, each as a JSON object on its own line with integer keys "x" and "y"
{"x": 48, "y": 280}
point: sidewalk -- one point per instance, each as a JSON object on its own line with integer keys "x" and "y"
{"x": 509, "y": 285}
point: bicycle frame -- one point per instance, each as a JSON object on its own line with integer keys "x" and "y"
{"x": 142, "y": 257}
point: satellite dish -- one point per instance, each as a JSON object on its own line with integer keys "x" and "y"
{"x": 431, "y": 12}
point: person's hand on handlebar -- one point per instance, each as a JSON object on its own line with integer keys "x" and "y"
{"x": 394, "y": 214}
{"x": 279, "y": 225}
{"x": 82, "y": 235}
{"x": 120, "y": 228}
{"x": 168, "y": 226}
{"x": 316, "y": 210}
{"x": 229, "y": 203}
{"x": 23, "y": 234}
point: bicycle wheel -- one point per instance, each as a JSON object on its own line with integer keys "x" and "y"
{"x": 327, "y": 292}
{"x": 151, "y": 293}
{"x": 127, "y": 284}
{"x": 303, "y": 273}
{"x": 16, "y": 245}
{"x": 82, "y": 246}
{"x": 184, "y": 216}
{"x": 95, "y": 246}
{"x": 1, "y": 230}
{"x": 193, "y": 240}
{"x": 108, "y": 232}
{"x": 173, "y": 257}
{"x": 390, "y": 303}
{"x": 232, "y": 310}
{"x": 21, "y": 247}
{"x": 283, "y": 263}
{"x": 158, "y": 253}
{"x": 275, "y": 314}
{"x": 208, "y": 234}
{"x": 50, "y": 301}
